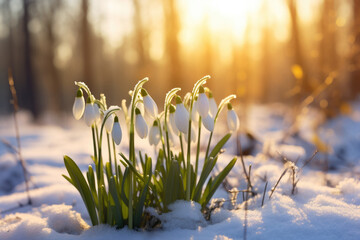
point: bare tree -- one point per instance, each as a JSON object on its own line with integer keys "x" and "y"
{"x": 172, "y": 28}
{"x": 86, "y": 44}
{"x": 296, "y": 43}
{"x": 28, "y": 64}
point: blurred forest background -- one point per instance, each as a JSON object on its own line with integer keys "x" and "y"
{"x": 262, "y": 50}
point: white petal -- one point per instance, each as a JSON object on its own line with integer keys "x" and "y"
{"x": 78, "y": 107}
{"x": 194, "y": 113}
{"x": 150, "y": 106}
{"x": 232, "y": 120}
{"x": 89, "y": 114}
{"x": 203, "y": 105}
{"x": 208, "y": 123}
{"x": 154, "y": 135}
{"x": 140, "y": 126}
{"x": 181, "y": 118}
{"x": 172, "y": 124}
{"x": 109, "y": 122}
{"x": 213, "y": 107}
{"x": 116, "y": 133}
{"x": 97, "y": 113}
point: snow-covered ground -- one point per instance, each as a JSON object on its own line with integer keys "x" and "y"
{"x": 326, "y": 203}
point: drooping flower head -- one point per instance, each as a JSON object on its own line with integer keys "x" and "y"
{"x": 232, "y": 119}
{"x": 116, "y": 132}
{"x": 154, "y": 134}
{"x": 90, "y": 114}
{"x": 173, "y": 127}
{"x": 212, "y": 105}
{"x": 79, "y": 105}
{"x": 181, "y": 116}
{"x": 208, "y": 122}
{"x": 149, "y": 104}
{"x": 140, "y": 124}
{"x": 202, "y": 103}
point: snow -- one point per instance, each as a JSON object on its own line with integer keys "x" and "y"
{"x": 326, "y": 204}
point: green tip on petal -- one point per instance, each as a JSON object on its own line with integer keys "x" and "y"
{"x": 210, "y": 94}
{"x": 178, "y": 100}
{"x": 155, "y": 124}
{"x": 79, "y": 93}
{"x": 143, "y": 92}
{"x": 116, "y": 119}
{"x": 229, "y": 106}
{"x": 201, "y": 89}
{"x": 137, "y": 111}
{"x": 172, "y": 108}
{"x": 88, "y": 100}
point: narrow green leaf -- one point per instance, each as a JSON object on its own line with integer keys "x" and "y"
{"x": 216, "y": 182}
{"x": 140, "y": 206}
{"x": 219, "y": 145}
{"x": 80, "y": 183}
{"x": 117, "y": 212}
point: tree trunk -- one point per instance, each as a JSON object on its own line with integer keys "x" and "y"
{"x": 87, "y": 53}
{"x": 30, "y": 81}
{"x": 172, "y": 28}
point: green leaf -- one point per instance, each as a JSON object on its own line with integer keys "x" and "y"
{"x": 172, "y": 185}
{"x": 207, "y": 168}
{"x": 117, "y": 212}
{"x": 215, "y": 183}
{"x": 80, "y": 183}
{"x": 91, "y": 180}
{"x": 219, "y": 145}
{"x": 140, "y": 206}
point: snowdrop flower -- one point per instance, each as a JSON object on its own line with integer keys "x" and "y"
{"x": 194, "y": 112}
{"x": 116, "y": 132}
{"x": 97, "y": 113}
{"x": 181, "y": 116}
{"x": 173, "y": 127}
{"x": 109, "y": 122}
{"x": 232, "y": 119}
{"x": 202, "y": 103}
{"x": 212, "y": 105}
{"x": 154, "y": 134}
{"x": 79, "y": 105}
{"x": 149, "y": 104}
{"x": 89, "y": 113}
{"x": 208, "y": 123}
{"x": 140, "y": 124}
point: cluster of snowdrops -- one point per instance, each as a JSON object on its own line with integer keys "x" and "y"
{"x": 117, "y": 188}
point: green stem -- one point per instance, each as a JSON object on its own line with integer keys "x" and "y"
{"x": 188, "y": 165}
{"x": 115, "y": 161}
{"x": 208, "y": 146}
{"x": 109, "y": 150}
{"x": 182, "y": 148}
{"x": 198, "y": 150}
{"x": 163, "y": 145}
{"x": 94, "y": 144}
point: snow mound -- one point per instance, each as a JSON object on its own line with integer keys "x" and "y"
{"x": 184, "y": 214}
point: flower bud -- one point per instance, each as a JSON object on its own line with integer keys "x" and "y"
{"x": 79, "y": 105}
{"x": 181, "y": 116}
{"x": 154, "y": 134}
{"x": 212, "y": 105}
{"x": 149, "y": 104}
{"x": 202, "y": 103}
{"x": 173, "y": 127}
{"x": 89, "y": 113}
{"x": 208, "y": 122}
{"x": 116, "y": 132}
{"x": 232, "y": 119}
{"x": 140, "y": 124}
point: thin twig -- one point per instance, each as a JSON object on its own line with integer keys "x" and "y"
{"x": 263, "y": 198}
{"x": 277, "y": 183}
{"x": 21, "y": 159}
{"x": 246, "y": 207}
{"x": 243, "y": 165}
